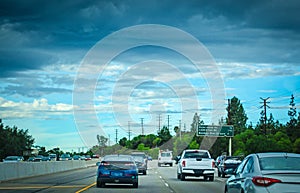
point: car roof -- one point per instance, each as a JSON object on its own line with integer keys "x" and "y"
{"x": 277, "y": 154}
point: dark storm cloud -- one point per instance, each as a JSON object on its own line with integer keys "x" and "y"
{"x": 37, "y": 33}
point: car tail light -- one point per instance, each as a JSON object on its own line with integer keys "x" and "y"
{"x": 212, "y": 164}
{"x": 183, "y": 163}
{"x": 105, "y": 164}
{"x": 262, "y": 181}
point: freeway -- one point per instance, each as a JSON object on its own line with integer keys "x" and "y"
{"x": 158, "y": 179}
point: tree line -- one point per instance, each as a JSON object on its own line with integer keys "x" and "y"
{"x": 267, "y": 135}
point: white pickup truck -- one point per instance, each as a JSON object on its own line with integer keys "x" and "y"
{"x": 195, "y": 162}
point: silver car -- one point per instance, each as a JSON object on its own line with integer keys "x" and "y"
{"x": 266, "y": 173}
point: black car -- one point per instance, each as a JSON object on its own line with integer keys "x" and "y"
{"x": 141, "y": 164}
{"x": 120, "y": 169}
{"x": 228, "y": 165}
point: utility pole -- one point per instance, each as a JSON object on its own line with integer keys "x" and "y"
{"x": 180, "y": 129}
{"x": 228, "y": 113}
{"x": 142, "y": 123}
{"x": 159, "y": 119}
{"x": 169, "y": 122}
{"x": 229, "y": 123}
{"x": 265, "y": 113}
{"x": 129, "y": 132}
{"x": 116, "y": 136}
{"x": 108, "y": 139}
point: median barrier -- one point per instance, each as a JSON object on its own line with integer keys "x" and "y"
{"x": 10, "y": 171}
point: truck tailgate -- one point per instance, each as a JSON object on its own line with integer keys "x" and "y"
{"x": 199, "y": 163}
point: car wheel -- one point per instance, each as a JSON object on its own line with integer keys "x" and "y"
{"x": 226, "y": 191}
{"x": 144, "y": 172}
{"x": 135, "y": 185}
{"x": 178, "y": 176}
{"x": 171, "y": 165}
{"x": 219, "y": 174}
{"x": 211, "y": 178}
{"x": 158, "y": 165}
{"x": 182, "y": 177}
{"x": 223, "y": 175}
{"x": 100, "y": 184}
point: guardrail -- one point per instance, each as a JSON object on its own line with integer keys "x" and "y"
{"x": 10, "y": 171}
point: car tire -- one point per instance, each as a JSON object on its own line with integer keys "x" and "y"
{"x": 178, "y": 176}
{"x": 100, "y": 184}
{"x": 223, "y": 175}
{"x": 144, "y": 172}
{"x": 171, "y": 165}
{"x": 135, "y": 185}
{"x": 159, "y": 165}
{"x": 182, "y": 177}
{"x": 211, "y": 178}
{"x": 219, "y": 174}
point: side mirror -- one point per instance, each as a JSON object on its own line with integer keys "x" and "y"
{"x": 98, "y": 164}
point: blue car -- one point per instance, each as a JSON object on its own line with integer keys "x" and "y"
{"x": 120, "y": 169}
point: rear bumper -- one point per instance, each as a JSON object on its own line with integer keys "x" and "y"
{"x": 118, "y": 180}
{"x": 198, "y": 172}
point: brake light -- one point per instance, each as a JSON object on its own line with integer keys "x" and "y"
{"x": 105, "y": 164}
{"x": 212, "y": 164}
{"x": 183, "y": 163}
{"x": 262, "y": 181}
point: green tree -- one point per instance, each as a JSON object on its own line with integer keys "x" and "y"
{"x": 236, "y": 115}
{"x": 14, "y": 141}
{"x": 164, "y": 134}
{"x": 195, "y": 123}
{"x": 123, "y": 141}
{"x": 102, "y": 143}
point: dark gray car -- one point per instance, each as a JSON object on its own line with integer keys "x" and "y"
{"x": 265, "y": 173}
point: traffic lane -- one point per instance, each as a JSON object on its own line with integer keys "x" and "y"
{"x": 147, "y": 184}
{"x": 192, "y": 184}
{"x": 69, "y": 181}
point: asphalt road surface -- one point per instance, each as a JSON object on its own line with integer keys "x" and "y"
{"x": 158, "y": 180}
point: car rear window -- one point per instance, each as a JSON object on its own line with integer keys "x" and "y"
{"x": 196, "y": 154}
{"x": 279, "y": 163}
{"x": 166, "y": 154}
{"x": 117, "y": 165}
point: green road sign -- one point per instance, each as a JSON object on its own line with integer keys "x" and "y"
{"x": 215, "y": 130}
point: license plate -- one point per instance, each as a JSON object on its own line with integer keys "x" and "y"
{"x": 116, "y": 174}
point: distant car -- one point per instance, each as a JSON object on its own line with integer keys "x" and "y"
{"x": 13, "y": 159}
{"x": 117, "y": 169}
{"x": 141, "y": 164}
{"x": 31, "y": 159}
{"x": 87, "y": 158}
{"x": 53, "y": 156}
{"x": 38, "y": 158}
{"x": 46, "y": 158}
{"x": 65, "y": 157}
{"x": 78, "y": 157}
{"x": 228, "y": 165}
{"x": 140, "y": 154}
{"x": 218, "y": 160}
{"x": 265, "y": 173}
{"x": 165, "y": 158}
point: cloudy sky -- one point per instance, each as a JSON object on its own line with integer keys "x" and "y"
{"x": 73, "y": 69}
